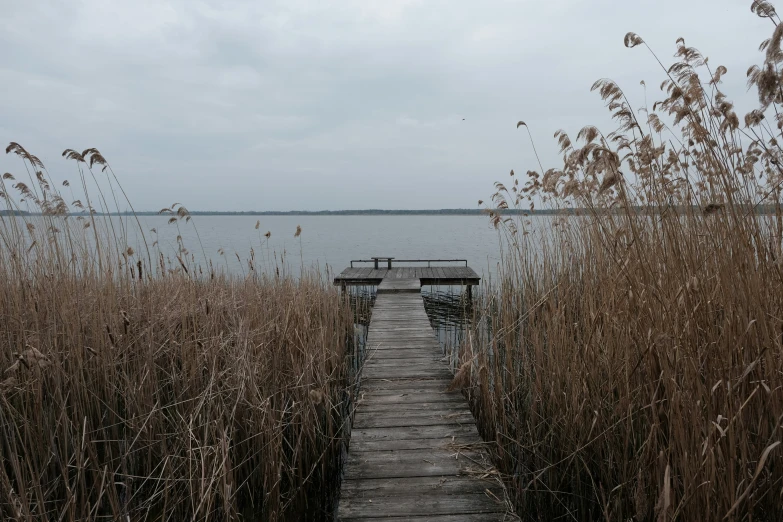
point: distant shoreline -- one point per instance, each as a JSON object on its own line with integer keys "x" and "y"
{"x": 369, "y": 212}
{"x": 761, "y": 209}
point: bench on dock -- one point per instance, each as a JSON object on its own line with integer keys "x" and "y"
{"x": 376, "y": 259}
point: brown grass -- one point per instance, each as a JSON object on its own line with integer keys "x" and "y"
{"x": 631, "y": 357}
{"x": 135, "y": 387}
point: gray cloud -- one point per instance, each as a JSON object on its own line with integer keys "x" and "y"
{"x": 310, "y": 104}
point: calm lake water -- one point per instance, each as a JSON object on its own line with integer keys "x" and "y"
{"x": 329, "y": 241}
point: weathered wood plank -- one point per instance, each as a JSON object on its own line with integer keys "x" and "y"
{"x": 409, "y": 387}
{"x": 438, "y": 431}
{"x": 412, "y": 395}
{"x": 401, "y": 285}
{"x": 469, "y": 517}
{"x": 402, "y": 421}
{"x": 420, "y": 505}
{"x": 412, "y": 444}
{"x": 378, "y": 405}
{"x": 437, "y": 413}
{"x": 413, "y": 463}
{"x": 404, "y": 370}
{"x": 402, "y": 373}
{"x": 378, "y": 361}
{"x": 432, "y": 485}
{"x": 395, "y": 357}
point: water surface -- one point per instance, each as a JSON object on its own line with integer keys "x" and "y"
{"x": 330, "y": 241}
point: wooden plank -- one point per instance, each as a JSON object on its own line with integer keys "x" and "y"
{"x": 413, "y": 463}
{"x": 388, "y": 486}
{"x": 385, "y": 353}
{"x": 408, "y": 387}
{"x": 414, "y": 504}
{"x": 408, "y": 285}
{"x": 402, "y": 421}
{"x": 469, "y": 517}
{"x": 382, "y": 346}
{"x": 436, "y": 413}
{"x": 394, "y": 367}
{"x": 392, "y": 402}
{"x": 402, "y": 373}
{"x": 406, "y": 341}
{"x": 412, "y": 444}
{"x": 437, "y": 431}
{"x": 401, "y": 315}
{"x": 412, "y": 392}
{"x": 396, "y": 332}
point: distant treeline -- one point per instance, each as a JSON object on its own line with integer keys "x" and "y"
{"x": 367, "y": 212}
{"x": 759, "y": 209}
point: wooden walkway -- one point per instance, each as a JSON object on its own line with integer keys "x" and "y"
{"x": 415, "y": 453}
{"x": 436, "y": 275}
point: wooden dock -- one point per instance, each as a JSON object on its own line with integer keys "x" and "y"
{"x": 415, "y": 454}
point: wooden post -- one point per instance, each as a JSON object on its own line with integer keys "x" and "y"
{"x": 389, "y": 263}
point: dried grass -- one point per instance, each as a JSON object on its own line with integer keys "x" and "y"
{"x": 137, "y": 387}
{"x": 634, "y": 352}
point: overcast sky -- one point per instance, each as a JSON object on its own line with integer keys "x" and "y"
{"x": 311, "y": 104}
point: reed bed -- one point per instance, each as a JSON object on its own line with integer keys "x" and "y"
{"x": 142, "y": 386}
{"x": 628, "y": 361}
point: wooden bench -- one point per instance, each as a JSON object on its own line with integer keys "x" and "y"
{"x": 387, "y": 259}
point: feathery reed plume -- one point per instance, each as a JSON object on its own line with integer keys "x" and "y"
{"x": 461, "y": 378}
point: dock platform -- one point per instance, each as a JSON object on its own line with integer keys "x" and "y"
{"x": 415, "y": 453}
{"x": 443, "y": 272}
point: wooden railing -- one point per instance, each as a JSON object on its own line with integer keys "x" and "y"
{"x": 389, "y": 260}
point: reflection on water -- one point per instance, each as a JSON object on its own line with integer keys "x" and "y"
{"x": 449, "y": 309}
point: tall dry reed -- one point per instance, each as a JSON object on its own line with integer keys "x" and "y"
{"x": 628, "y": 362}
{"x": 135, "y": 387}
